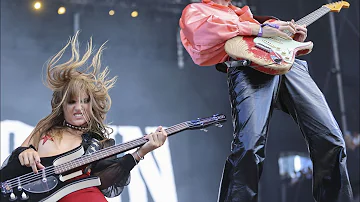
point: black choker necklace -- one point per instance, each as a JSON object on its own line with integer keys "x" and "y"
{"x": 74, "y": 127}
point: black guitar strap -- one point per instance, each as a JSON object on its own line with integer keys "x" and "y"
{"x": 222, "y": 67}
{"x": 90, "y": 145}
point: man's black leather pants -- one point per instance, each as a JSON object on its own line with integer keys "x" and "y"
{"x": 253, "y": 96}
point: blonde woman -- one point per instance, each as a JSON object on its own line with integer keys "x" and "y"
{"x": 79, "y": 104}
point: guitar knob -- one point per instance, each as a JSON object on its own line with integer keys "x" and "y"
{"x": 12, "y": 197}
{"x": 24, "y": 196}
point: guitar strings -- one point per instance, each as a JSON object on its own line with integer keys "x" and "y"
{"x": 85, "y": 155}
{"x": 115, "y": 148}
{"x": 31, "y": 177}
{"x": 28, "y": 179}
{"x": 315, "y": 15}
{"x": 172, "y": 129}
{"x": 51, "y": 169}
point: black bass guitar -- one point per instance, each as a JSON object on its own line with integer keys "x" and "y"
{"x": 58, "y": 178}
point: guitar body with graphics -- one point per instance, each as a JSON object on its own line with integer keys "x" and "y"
{"x": 60, "y": 176}
{"x": 276, "y": 55}
{"x": 43, "y": 187}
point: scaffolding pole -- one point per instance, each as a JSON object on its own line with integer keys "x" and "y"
{"x": 76, "y": 22}
{"x": 338, "y": 72}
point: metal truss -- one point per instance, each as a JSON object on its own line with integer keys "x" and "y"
{"x": 174, "y": 6}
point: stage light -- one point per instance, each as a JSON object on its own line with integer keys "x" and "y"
{"x": 111, "y": 12}
{"x": 61, "y": 10}
{"x": 292, "y": 165}
{"x": 37, "y": 5}
{"x": 134, "y": 14}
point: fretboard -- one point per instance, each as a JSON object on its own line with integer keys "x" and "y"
{"x": 113, "y": 150}
{"x": 312, "y": 17}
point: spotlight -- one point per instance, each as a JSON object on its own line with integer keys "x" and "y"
{"x": 37, "y": 5}
{"x": 111, "y": 12}
{"x": 61, "y": 10}
{"x": 134, "y": 14}
{"x": 294, "y": 165}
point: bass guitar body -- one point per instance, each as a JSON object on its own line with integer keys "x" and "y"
{"x": 43, "y": 187}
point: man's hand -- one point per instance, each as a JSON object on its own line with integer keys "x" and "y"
{"x": 282, "y": 29}
{"x": 299, "y": 31}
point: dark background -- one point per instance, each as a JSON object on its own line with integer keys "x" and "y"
{"x": 153, "y": 90}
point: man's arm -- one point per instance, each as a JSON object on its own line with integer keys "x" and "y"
{"x": 202, "y": 29}
{"x": 204, "y": 35}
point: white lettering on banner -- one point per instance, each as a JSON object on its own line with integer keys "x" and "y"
{"x": 157, "y": 179}
{"x": 20, "y": 130}
{"x": 137, "y": 188}
{"x": 162, "y": 175}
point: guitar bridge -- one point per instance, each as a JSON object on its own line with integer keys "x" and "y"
{"x": 263, "y": 47}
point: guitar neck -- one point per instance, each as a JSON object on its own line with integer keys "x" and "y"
{"x": 312, "y": 17}
{"x": 113, "y": 150}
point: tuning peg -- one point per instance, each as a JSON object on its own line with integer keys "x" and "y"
{"x": 12, "y": 197}
{"x": 205, "y": 130}
{"x": 219, "y": 125}
{"x": 24, "y": 196}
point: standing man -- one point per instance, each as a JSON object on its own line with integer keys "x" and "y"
{"x": 205, "y": 27}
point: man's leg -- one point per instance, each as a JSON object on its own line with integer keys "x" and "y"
{"x": 300, "y": 97}
{"x": 251, "y": 95}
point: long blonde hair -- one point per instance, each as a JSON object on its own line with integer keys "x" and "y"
{"x": 70, "y": 79}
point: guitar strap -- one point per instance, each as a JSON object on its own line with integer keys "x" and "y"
{"x": 92, "y": 145}
{"x": 223, "y": 67}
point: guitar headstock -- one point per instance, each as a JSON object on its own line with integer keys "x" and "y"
{"x": 201, "y": 123}
{"x": 337, "y": 6}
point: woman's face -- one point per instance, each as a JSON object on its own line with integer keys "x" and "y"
{"x": 77, "y": 110}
